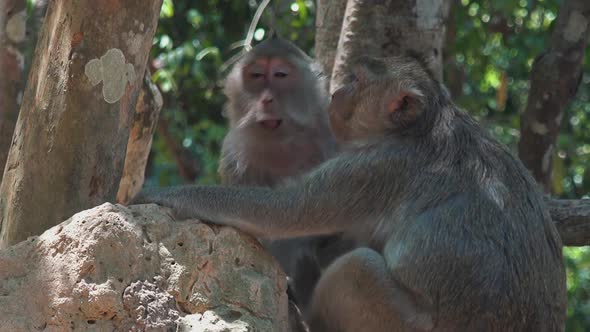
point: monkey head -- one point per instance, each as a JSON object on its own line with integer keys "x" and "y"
{"x": 275, "y": 89}
{"x": 384, "y": 97}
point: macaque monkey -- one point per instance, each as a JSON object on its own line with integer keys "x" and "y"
{"x": 452, "y": 230}
{"x": 278, "y": 129}
{"x": 277, "y": 110}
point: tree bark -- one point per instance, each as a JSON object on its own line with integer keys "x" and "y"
{"x": 13, "y": 18}
{"x": 389, "y": 27}
{"x": 329, "y": 16}
{"x": 147, "y": 111}
{"x": 555, "y": 78}
{"x": 572, "y": 218}
{"x": 70, "y": 138}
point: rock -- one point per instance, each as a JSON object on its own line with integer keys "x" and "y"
{"x": 135, "y": 269}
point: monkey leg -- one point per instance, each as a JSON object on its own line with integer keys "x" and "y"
{"x": 309, "y": 265}
{"x": 357, "y": 293}
{"x": 304, "y": 279}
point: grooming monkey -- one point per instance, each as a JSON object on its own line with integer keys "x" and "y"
{"x": 277, "y": 109}
{"x": 454, "y": 232}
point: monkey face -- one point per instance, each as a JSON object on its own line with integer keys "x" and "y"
{"x": 273, "y": 88}
{"x": 275, "y": 92}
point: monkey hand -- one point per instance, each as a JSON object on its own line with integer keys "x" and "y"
{"x": 175, "y": 198}
{"x": 223, "y": 205}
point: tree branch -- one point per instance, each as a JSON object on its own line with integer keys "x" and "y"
{"x": 145, "y": 120}
{"x": 555, "y": 77}
{"x": 572, "y": 218}
{"x": 390, "y": 27}
{"x": 329, "y": 17}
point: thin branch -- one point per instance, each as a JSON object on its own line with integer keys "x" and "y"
{"x": 246, "y": 43}
{"x": 554, "y": 79}
{"x": 254, "y": 24}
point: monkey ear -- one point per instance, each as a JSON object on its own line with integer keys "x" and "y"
{"x": 400, "y": 102}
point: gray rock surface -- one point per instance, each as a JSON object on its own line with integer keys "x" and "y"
{"x": 117, "y": 268}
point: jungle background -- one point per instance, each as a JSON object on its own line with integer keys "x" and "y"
{"x": 489, "y": 52}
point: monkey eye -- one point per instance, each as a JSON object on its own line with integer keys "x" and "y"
{"x": 256, "y": 75}
{"x": 280, "y": 74}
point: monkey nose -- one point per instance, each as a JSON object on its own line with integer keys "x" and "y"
{"x": 266, "y": 101}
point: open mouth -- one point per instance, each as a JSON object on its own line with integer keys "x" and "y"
{"x": 270, "y": 124}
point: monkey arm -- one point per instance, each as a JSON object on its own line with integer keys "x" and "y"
{"x": 331, "y": 199}
{"x": 260, "y": 211}
{"x": 247, "y": 208}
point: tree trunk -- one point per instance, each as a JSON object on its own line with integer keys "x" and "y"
{"x": 72, "y": 131}
{"x": 390, "y": 27}
{"x": 329, "y": 16}
{"x": 572, "y": 218}
{"x": 147, "y": 111}
{"x": 13, "y": 18}
{"x": 555, "y": 78}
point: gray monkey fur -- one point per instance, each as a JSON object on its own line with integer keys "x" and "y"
{"x": 253, "y": 155}
{"x": 454, "y": 232}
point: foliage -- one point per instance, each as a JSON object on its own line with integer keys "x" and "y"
{"x": 496, "y": 43}
{"x": 578, "y": 287}
{"x": 192, "y": 42}
{"x": 488, "y": 58}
